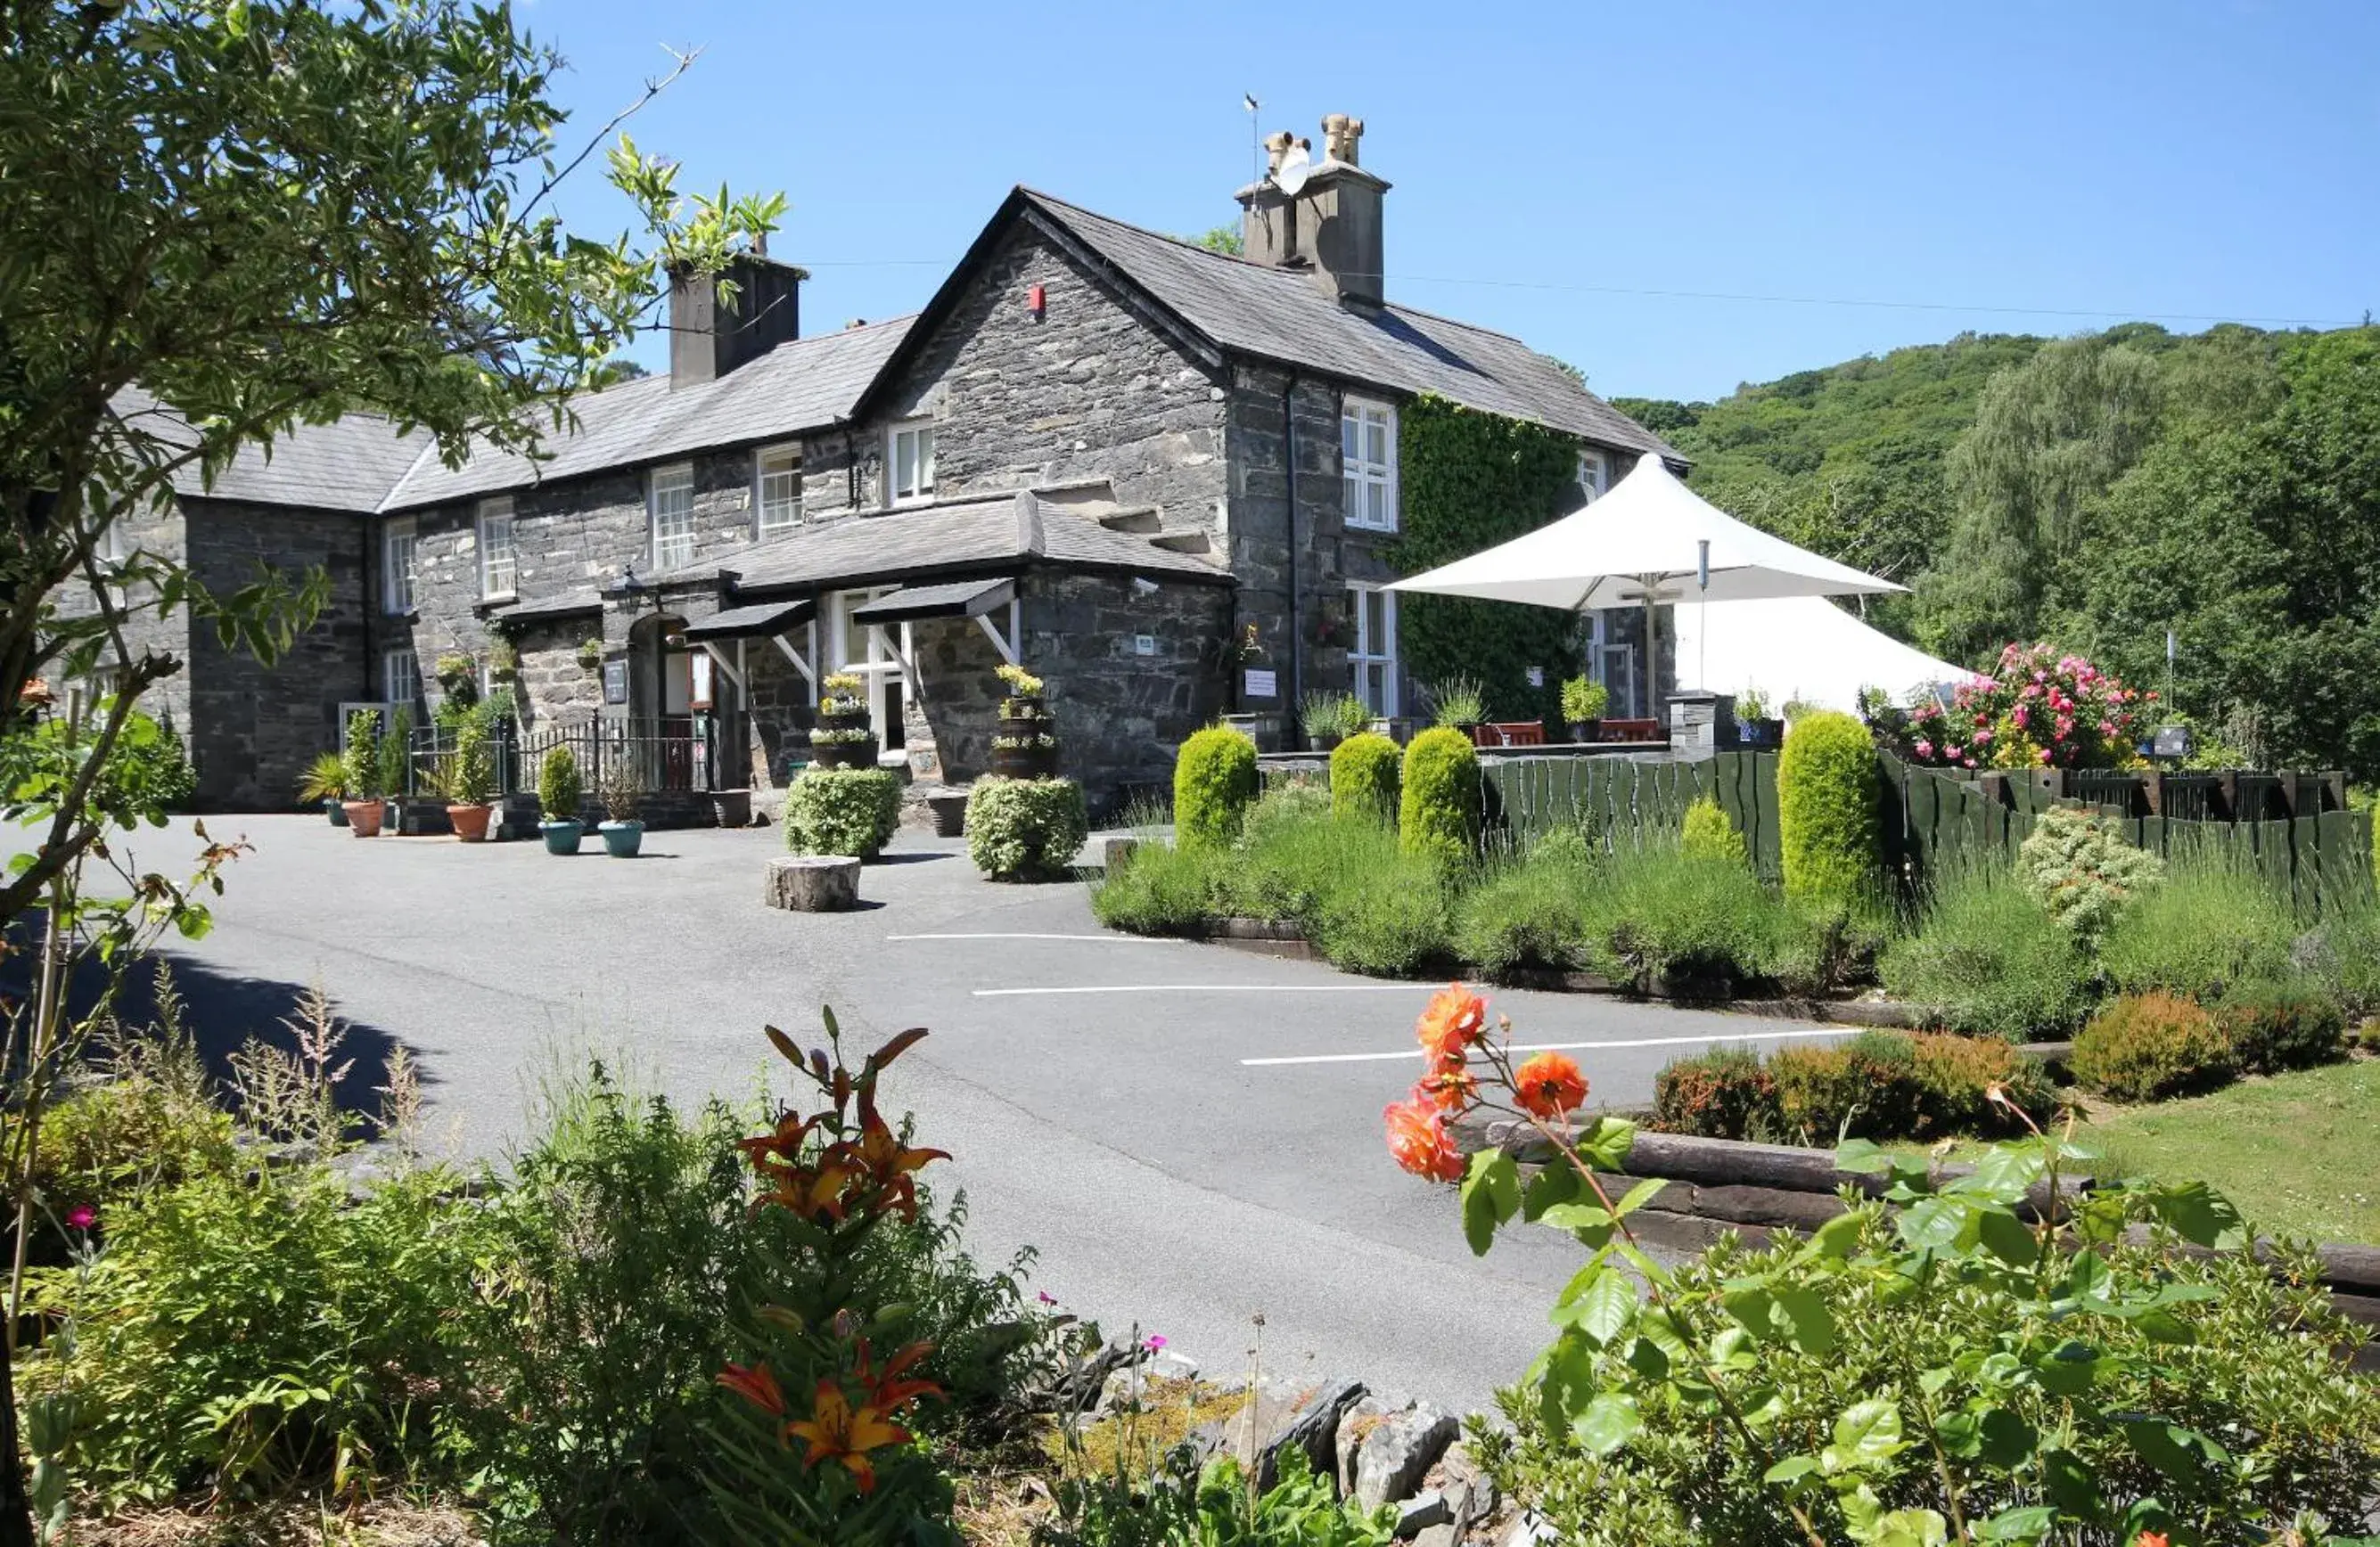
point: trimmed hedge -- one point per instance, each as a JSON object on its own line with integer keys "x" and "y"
{"x": 2148, "y": 1046}
{"x": 1826, "y": 808}
{"x": 1438, "y": 814}
{"x": 1363, "y": 777}
{"x": 1711, "y": 834}
{"x": 1022, "y": 829}
{"x": 1878, "y": 1085}
{"x": 1214, "y": 783}
{"x": 841, "y": 811}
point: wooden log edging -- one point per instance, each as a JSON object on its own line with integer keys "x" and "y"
{"x": 1723, "y": 1184}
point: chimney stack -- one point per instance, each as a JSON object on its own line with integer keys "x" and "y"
{"x": 709, "y": 339}
{"x": 1330, "y": 226}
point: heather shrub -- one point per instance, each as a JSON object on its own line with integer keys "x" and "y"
{"x": 1711, "y": 834}
{"x": 1826, "y": 808}
{"x": 2078, "y": 868}
{"x": 1214, "y": 784}
{"x": 2282, "y": 1025}
{"x": 1986, "y": 959}
{"x": 2148, "y": 1046}
{"x": 2209, "y": 925}
{"x": 1437, "y": 816}
{"x": 1363, "y": 772}
{"x": 1025, "y": 829}
{"x": 1723, "y": 1094}
{"x": 842, "y": 811}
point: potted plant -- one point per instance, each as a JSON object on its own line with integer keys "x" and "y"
{"x": 466, "y": 780}
{"x": 1460, "y": 702}
{"x": 590, "y": 656}
{"x": 1583, "y": 702}
{"x": 1332, "y": 718}
{"x": 1753, "y": 728}
{"x": 457, "y": 676}
{"x": 559, "y": 795}
{"x": 326, "y": 782}
{"x": 363, "y": 806}
{"x": 623, "y": 834}
{"x": 841, "y": 738}
{"x": 395, "y": 758}
{"x": 1024, "y": 744}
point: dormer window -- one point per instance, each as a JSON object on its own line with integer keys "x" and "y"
{"x": 909, "y": 463}
{"x": 1367, "y": 463}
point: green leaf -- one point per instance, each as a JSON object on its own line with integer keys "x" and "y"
{"x": 1750, "y": 1302}
{"x": 1606, "y": 1308}
{"x": 1638, "y": 1196}
{"x": 1648, "y": 1358}
{"x": 1808, "y": 1324}
{"x": 1604, "y": 1145}
{"x": 1591, "y": 1223}
{"x": 2027, "y": 1523}
{"x": 2070, "y": 1484}
{"x": 1865, "y": 1434}
{"x": 2006, "y": 1236}
{"x": 1491, "y": 1194}
{"x": 2068, "y": 1369}
{"x": 1789, "y": 1468}
{"x": 2006, "y": 1439}
{"x": 1609, "y": 1421}
{"x": 1835, "y": 1239}
{"x": 1552, "y": 1186}
{"x": 1568, "y": 1384}
{"x": 2199, "y": 1214}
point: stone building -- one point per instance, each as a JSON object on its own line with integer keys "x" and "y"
{"x": 1161, "y": 478}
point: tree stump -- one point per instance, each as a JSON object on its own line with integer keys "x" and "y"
{"x": 813, "y": 883}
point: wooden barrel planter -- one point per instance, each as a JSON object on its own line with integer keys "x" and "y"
{"x": 1026, "y": 716}
{"x": 1024, "y": 762}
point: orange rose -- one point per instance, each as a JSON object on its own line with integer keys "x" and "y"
{"x": 1549, "y": 1085}
{"x": 1449, "y": 1091}
{"x": 2150, "y": 1539}
{"x": 1455, "y": 1018}
{"x": 1418, "y": 1139}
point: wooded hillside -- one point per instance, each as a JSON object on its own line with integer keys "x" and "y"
{"x": 2095, "y": 491}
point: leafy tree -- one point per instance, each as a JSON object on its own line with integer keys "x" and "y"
{"x": 1225, "y": 239}
{"x": 222, "y": 219}
{"x": 2050, "y": 436}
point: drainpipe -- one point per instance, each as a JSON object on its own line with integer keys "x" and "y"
{"x": 1296, "y": 642}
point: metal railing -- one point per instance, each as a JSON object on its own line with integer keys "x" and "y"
{"x": 677, "y": 754}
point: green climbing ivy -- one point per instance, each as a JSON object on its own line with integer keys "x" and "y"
{"x": 1469, "y": 480}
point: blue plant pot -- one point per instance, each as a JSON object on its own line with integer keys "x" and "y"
{"x": 561, "y": 837}
{"x": 338, "y": 813}
{"x": 622, "y": 839}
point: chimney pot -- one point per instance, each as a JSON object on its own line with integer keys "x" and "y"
{"x": 1340, "y": 135}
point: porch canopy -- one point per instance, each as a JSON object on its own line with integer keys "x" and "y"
{"x": 1651, "y": 540}
{"x": 759, "y": 621}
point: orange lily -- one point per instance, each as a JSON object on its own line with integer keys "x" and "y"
{"x": 889, "y": 1164}
{"x": 836, "y": 1431}
{"x": 888, "y": 1391}
{"x": 755, "y": 1386}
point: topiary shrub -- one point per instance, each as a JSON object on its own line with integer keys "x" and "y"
{"x": 2078, "y": 868}
{"x": 1438, "y": 813}
{"x": 1214, "y": 783}
{"x": 2283, "y": 1025}
{"x": 2148, "y": 1046}
{"x": 559, "y": 792}
{"x": 1711, "y": 834}
{"x": 1364, "y": 777}
{"x": 1025, "y": 830}
{"x": 1723, "y": 1094}
{"x": 841, "y": 811}
{"x": 1826, "y": 808}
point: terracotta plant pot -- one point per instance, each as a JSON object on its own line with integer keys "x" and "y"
{"x": 471, "y": 822}
{"x": 363, "y": 816}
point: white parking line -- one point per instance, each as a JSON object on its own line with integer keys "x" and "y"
{"x": 1557, "y": 1046}
{"x": 1221, "y": 988}
{"x": 1114, "y": 940}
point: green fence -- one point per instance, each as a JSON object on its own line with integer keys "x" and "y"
{"x": 1929, "y": 819}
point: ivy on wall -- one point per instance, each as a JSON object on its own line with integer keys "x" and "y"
{"x": 1468, "y": 480}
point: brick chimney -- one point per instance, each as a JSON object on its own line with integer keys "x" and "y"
{"x": 1329, "y": 228}
{"x": 708, "y": 339}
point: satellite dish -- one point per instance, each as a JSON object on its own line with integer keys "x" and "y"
{"x": 1296, "y": 167}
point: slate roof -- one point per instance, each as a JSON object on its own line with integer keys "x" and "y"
{"x": 1285, "y": 316}
{"x": 569, "y": 604}
{"x": 976, "y": 532}
{"x": 804, "y": 384}
{"x": 347, "y": 465}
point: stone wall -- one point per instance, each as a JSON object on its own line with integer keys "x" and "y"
{"x": 1122, "y": 713}
{"x": 252, "y": 728}
{"x": 1272, "y": 554}
{"x": 1088, "y": 390}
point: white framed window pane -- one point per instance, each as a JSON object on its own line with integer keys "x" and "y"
{"x": 1376, "y": 440}
{"x": 673, "y": 507}
{"x": 1351, "y": 435}
{"x": 496, "y": 551}
{"x": 400, "y": 677}
{"x": 925, "y": 461}
{"x": 397, "y": 581}
{"x": 781, "y": 491}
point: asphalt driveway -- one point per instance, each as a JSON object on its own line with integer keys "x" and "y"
{"x": 1187, "y": 1135}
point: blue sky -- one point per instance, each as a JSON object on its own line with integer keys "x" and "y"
{"x": 1555, "y": 164}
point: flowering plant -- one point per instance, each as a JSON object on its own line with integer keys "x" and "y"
{"x": 1965, "y": 1367}
{"x": 2037, "y": 709}
{"x": 1021, "y": 683}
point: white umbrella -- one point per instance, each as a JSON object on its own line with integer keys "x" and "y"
{"x": 1805, "y": 648}
{"x": 1638, "y": 544}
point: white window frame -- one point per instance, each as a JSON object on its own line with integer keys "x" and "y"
{"x": 879, "y": 659}
{"x": 1366, "y": 651}
{"x": 783, "y": 512}
{"x": 400, "y": 680}
{"x": 1357, "y": 472}
{"x": 672, "y": 544}
{"x": 1593, "y": 473}
{"x": 396, "y": 577}
{"x": 920, "y": 433}
{"x": 499, "y": 579}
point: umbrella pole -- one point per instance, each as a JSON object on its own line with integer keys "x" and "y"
{"x": 1652, "y": 647}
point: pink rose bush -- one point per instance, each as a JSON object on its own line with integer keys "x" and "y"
{"x": 2039, "y": 709}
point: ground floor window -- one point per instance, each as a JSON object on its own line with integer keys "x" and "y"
{"x": 1373, "y": 658}
{"x": 400, "y": 678}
